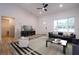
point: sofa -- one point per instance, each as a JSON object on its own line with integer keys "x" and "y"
{"x": 61, "y": 35}
{"x": 75, "y": 49}
{"x": 70, "y": 39}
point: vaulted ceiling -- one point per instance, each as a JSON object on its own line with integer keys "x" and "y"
{"x": 52, "y": 7}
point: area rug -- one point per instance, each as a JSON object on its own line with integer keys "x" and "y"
{"x": 22, "y": 50}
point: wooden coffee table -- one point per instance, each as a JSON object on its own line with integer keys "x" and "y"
{"x": 59, "y": 42}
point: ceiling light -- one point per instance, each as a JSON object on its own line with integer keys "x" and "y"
{"x": 44, "y": 23}
{"x": 40, "y": 12}
{"x": 60, "y": 5}
{"x": 43, "y": 8}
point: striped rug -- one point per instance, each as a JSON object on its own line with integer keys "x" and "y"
{"x": 23, "y": 50}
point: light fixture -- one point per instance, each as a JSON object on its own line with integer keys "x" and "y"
{"x": 40, "y": 12}
{"x": 43, "y": 9}
{"x": 60, "y": 5}
{"x": 44, "y": 23}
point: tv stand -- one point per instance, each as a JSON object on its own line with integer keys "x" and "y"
{"x": 27, "y": 33}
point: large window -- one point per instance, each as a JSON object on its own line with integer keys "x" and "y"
{"x": 64, "y": 25}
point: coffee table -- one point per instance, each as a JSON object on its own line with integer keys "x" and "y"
{"x": 59, "y": 42}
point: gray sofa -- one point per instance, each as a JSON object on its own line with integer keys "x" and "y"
{"x": 75, "y": 49}
{"x": 62, "y": 36}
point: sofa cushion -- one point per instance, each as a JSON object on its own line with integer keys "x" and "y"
{"x": 55, "y": 32}
{"x": 69, "y": 34}
{"x": 60, "y": 33}
{"x": 66, "y": 33}
{"x": 75, "y": 41}
{"x": 73, "y": 35}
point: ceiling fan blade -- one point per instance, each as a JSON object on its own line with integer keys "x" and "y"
{"x": 45, "y": 5}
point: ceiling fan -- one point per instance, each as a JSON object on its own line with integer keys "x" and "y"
{"x": 44, "y": 7}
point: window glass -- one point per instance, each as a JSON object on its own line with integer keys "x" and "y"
{"x": 64, "y": 25}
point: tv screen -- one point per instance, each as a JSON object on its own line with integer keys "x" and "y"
{"x": 27, "y": 28}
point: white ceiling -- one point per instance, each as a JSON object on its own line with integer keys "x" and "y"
{"x": 52, "y": 7}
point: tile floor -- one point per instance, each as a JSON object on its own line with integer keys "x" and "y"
{"x": 39, "y": 44}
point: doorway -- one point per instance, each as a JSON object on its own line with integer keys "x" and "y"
{"x": 7, "y": 32}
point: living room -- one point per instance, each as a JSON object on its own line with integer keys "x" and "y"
{"x": 42, "y": 18}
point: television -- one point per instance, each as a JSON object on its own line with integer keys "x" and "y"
{"x": 27, "y": 28}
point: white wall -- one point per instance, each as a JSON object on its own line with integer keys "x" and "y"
{"x": 21, "y": 16}
{"x": 49, "y": 24}
{"x": 64, "y": 14}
